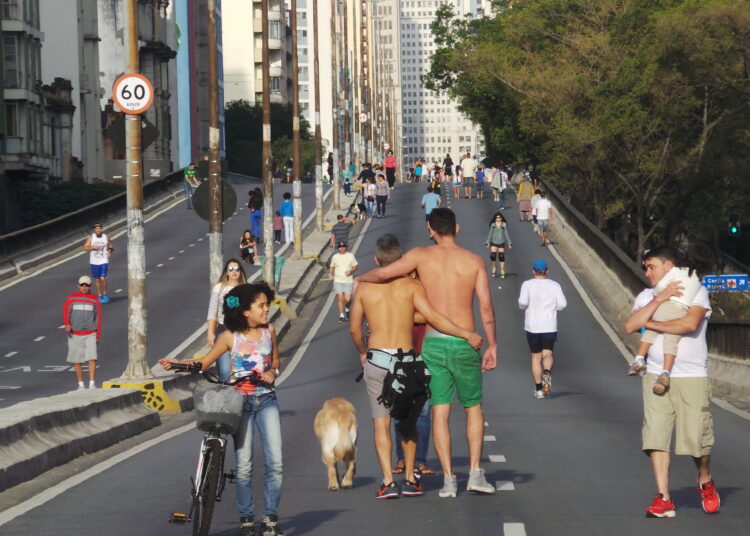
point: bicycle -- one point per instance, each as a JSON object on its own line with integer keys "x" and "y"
{"x": 210, "y": 478}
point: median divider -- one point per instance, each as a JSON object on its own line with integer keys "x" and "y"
{"x": 38, "y": 435}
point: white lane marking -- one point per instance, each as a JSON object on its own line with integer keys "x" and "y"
{"x": 182, "y": 251}
{"x": 40, "y": 338}
{"x": 47, "y": 495}
{"x": 504, "y": 485}
{"x": 514, "y": 529}
{"x": 10, "y": 354}
{"x": 490, "y": 438}
{"x": 159, "y": 265}
{"x": 148, "y": 273}
{"x": 118, "y": 290}
{"x": 36, "y": 272}
{"x": 171, "y": 258}
{"x": 10, "y": 386}
{"x": 323, "y": 314}
{"x": 191, "y": 245}
{"x": 200, "y": 240}
{"x": 497, "y": 458}
{"x": 61, "y": 326}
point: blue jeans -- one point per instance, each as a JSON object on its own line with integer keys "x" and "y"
{"x": 256, "y": 223}
{"x": 424, "y": 424}
{"x": 188, "y": 190}
{"x": 224, "y": 363}
{"x": 261, "y": 412}
{"x": 370, "y": 207}
{"x": 502, "y": 198}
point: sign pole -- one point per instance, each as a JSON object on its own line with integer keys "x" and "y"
{"x": 215, "y": 227}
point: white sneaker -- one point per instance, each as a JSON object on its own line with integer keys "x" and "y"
{"x": 450, "y": 487}
{"x": 539, "y": 394}
{"x": 477, "y": 482}
{"x": 637, "y": 366}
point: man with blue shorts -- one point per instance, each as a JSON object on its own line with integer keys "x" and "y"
{"x": 541, "y": 298}
{"x": 100, "y": 250}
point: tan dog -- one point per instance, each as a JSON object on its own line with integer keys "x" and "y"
{"x": 336, "y": 428}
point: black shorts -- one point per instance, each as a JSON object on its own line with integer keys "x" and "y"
{"x": 541, "y": 341}
{"x": 498, "y": 245}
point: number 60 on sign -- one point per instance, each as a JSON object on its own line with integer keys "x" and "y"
{"x": 133, "y": 93}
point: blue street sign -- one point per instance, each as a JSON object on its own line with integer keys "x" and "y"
{"x": 726, "y": 283}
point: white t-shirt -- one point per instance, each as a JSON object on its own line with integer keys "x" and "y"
{"x": 534, "y": 200}
{"x": 541, "y": 299}
{"x": 468, "y": 165}
{"x": 543, "y": 209}
{"x": 692, "y": 350}
{"x": 691, "y": 285}
{"x": 98, "y": 255}
{"x": 341, "y": 263}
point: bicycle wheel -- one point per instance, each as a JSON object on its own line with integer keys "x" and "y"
{"x": 205, "y": 497}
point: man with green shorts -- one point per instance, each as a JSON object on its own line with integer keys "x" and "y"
{"x": 684, "y": 408}
{"x": 451, "y": 277}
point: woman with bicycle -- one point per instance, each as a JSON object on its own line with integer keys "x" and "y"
{"x": 251, "y": 341}
{"x": 232, "y": 275}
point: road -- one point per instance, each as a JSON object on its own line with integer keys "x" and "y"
{"x": 569, "y": 465}
{"x": 33, "y": 347}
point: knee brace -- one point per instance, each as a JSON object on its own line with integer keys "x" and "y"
{"x": 493, "y": 256}
{"x": 501, "y": 257}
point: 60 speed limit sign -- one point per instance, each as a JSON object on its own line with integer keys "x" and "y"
{"x": 133, "y": 93}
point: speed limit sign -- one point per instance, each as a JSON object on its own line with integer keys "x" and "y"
{"x": 363, "y": 117}
{"x": 133, "y": 93}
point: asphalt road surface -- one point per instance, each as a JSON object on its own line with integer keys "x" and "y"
{"x": 568, "y": 465}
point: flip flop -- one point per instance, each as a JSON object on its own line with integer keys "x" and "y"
{"x": 400, "y": 466}
{"x": 422, "y": 469}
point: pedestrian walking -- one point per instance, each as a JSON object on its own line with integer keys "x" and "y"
{"x": 278, "y": 227}
{"x": 534, "y": 200}
{"x": 685, "y": 408}
{"x": 430, "y": 201}
{"x": 247, "y": 247}
{"x": 457, "y": 182}
{"x": 541, "y": 299}
{"x": 251, "y": 341}
{"x": 503, "y": 186}
{"x": 543, "y": 213}
{"x": 189, "y": 183}
{"x": 255, "y": 204}
{"x": 231, "y": 276}
{"x": 100, "y": 250}
{"x": 452, "y": 277}
{"x": 342, "y": 265}
{"x": 369, "y": 194}
{"x": 287, "y": 213}
{"x": 382, "y": 194}
{"x": 468, "y": 168}
{"x": 340, "y": 231}
{"x": 390, "y": 169}
{"x": 448, "y": 165}
{"x": 497, "y": 240}
{"x": 389, "y": 309}
{"x": 82, "y": 318}
{"x": 523, "y": 198}
{"x": 418, "y": 170}
{"x": 480, "y": 182}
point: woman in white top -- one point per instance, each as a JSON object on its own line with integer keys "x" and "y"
{"x": 232, "y": 275}
{"x": 369, "y": 193}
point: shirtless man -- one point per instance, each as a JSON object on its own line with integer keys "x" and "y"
{"x": 390, "y": 310}
{"x": 451, "y": 276}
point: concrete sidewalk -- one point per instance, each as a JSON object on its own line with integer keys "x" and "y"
{"x": 37, "y": 435}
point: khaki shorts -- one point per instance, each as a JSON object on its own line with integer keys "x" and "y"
{"x": 82, "y": 348}
{"x": 374, "y": 377}
{"x": 684, "y": 408}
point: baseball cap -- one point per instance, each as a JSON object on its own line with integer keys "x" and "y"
{"x": 84, "y": 280}
{"x": 340, "y": 244}
{"x": 96, "y": 225}
{"x": 539, "y": 266}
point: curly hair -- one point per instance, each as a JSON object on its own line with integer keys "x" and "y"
{"x": 240, "y": 299}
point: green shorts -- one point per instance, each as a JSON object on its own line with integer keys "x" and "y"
{"x": 453, "y": 364}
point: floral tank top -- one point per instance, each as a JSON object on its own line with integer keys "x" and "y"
{"x": 250, "y": 356}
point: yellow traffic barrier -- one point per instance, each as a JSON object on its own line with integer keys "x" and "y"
{"x": 152, "y": 392}
{"x": 281, "y": 303}
{"x": 317, "y": 259}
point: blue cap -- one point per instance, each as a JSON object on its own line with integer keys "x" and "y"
{"x": 539, "y": 266}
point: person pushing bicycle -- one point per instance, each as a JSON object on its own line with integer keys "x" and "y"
{"x": 251, "y": 341}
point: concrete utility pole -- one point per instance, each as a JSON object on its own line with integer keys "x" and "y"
{"x": 215, "y": 234}
{"x": 267, "y": 172}
{"x": 296, "y": 151}
{"x": 137, "y": 367}
{"x": 335, "y": 104}
{"x": 318, "y": 147}
{"x": 349, "y": 158}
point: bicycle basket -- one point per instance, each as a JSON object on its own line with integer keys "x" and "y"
{"x": 217, "y": 405}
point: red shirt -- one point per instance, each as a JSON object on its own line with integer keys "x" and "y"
{"x": 83, "y": 317}
{"x": 390, "y": 161}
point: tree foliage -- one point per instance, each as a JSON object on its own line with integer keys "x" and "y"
{"x": 639, "y": 110}
{"x": 244, "y": 135}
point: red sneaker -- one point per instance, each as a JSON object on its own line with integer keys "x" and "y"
{"x": 709, "y": 497}
{"x": 660, "y": 507}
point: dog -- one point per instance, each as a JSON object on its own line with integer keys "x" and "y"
{"x": 358, "y": 210}
{"x": 336, "y": 428}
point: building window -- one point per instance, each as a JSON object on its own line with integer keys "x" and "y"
{"x": 11, "y": 119}
{"x": 10, "y": 55}
{"x": 274, "y": 29}
{"x": 10, "y": 9}
{"x": 275, "y": 84}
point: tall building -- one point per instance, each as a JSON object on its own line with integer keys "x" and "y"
{"x": 432, "y": 126}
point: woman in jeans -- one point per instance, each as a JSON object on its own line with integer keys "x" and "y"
{"x": 382, "y": 194}
{"x": 232, "y": 275}
{"x": 369, "y": 193}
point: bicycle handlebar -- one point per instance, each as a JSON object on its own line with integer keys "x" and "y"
{"x": 197, "y": 368}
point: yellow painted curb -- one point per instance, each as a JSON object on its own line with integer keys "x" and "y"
{"x": 284, "y": 308}
{"x": 153, "y": 394}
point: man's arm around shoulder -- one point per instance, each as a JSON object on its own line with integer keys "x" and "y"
{"x": 405, "y": 265}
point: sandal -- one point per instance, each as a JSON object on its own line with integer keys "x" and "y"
{"x": 422, "y": 469}
{"x": 400, "y": 466}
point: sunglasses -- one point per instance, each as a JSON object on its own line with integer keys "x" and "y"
{"x": 83, "y": 285}
{"x": 233, "y": 269}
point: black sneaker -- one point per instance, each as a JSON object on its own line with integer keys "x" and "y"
{"x": 388, "y": 491}
{"x": 341, "y": 318}
{"x": 247, "y": 526}
{"x": 269, "y": 526}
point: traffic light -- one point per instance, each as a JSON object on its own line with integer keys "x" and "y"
{"x": 734, "y": 225}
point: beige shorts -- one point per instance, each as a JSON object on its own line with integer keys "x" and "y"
{"x": 374, "y": 377}
{"x": 82, "y": 348}
{"x": 685, "y": 409}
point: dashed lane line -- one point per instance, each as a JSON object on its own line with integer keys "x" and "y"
{"x": 504, "y": 485}
{"x": 40, "y": 338}
{"x": 489, "y": 438}
{"x": 10, "y": 354}
{"x": 497, "y": 458}
{"x": 171, "y": 258}
{"x": 118, "y": 290}
{"x": 159, "y": 265}
{"x": 514, "y": 529}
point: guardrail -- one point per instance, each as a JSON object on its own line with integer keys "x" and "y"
{"x": 79, "y": 221}
{"x": 724, "y": 338}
